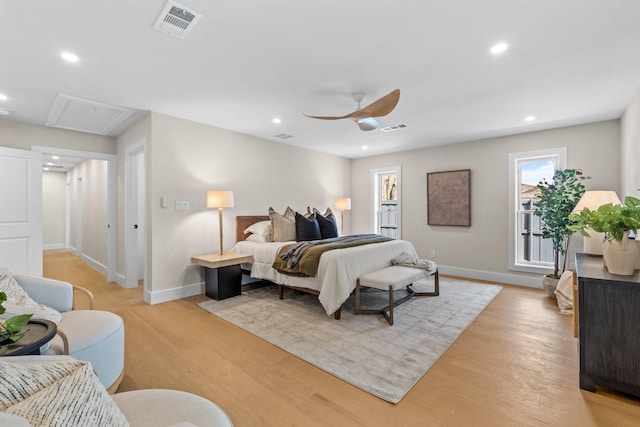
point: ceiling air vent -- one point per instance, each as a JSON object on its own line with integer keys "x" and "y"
{"x": 176, "y": 20}
{"x": 392, "y": 128}
{"x": 283, "y": 136}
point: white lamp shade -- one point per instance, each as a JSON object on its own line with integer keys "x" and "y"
{"x": 343, "y": 204}
{"x": 594, "y": 199}
{"x": 219, "y": 199}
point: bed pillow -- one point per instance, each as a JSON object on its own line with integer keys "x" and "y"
{"x": 327, "y": 224}
{"x": 284, "y": 226}
{"x": 256, "y": 238}
{"x": 307, "y": 228}
{"x": 19, "y": 302}
{"x": 260, "y": 232}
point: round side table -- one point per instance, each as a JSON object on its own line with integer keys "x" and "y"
{"x": 39, "y": 333}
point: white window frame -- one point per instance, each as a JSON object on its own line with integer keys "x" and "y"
{"x": 375, "y": 188}
{"x": 559, "y": 155}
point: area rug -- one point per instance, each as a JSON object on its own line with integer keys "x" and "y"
{"x": 363, "y": 350}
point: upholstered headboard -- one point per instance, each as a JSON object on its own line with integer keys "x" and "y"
{"x": 242, "y": 222}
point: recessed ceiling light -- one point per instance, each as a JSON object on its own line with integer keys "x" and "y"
{"x": 45, "y": 169}
{"x": 4, "y": 112}
{"x": 49, "y": 164}
{"x": 276, "y": 121}
{"x": 68, "y": 56}
{"x": 529, "y": 118}
{"x": 55, "y": 157}
{"x": 364, "y": 147}
{"x": 499, "y": 48}
{"x": 3, "y": 97}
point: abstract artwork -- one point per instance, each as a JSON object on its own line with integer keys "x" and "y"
{"x": 449, "y": 198}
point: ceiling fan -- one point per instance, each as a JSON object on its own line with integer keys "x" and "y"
{"x": 365, "y": 117}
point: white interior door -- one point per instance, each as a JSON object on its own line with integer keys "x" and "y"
{"x": 21, "y": 212}
{"x": 135, "y": 214}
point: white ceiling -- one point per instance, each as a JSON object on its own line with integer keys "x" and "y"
{"x": 245, "y": 62}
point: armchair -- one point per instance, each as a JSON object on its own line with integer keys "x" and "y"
{"x": 60, "y": 390}
{"x": 91, "y": 335}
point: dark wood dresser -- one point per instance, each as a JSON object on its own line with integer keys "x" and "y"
{"x": 609, "y": 327}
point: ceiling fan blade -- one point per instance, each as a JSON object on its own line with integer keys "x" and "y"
{"x": 348, "y": 116}
{"x": 365, "y": 116}
{"x": 367, "y": 123}
{"x": 381, "y": 107}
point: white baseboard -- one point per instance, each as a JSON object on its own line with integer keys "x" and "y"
{"x": 121, "y": 280}
{"x": 173, "y": 294}
{"x": 53, "y": 246}
{"x": 95, "y": 264}
{"x": 510, "y": 279}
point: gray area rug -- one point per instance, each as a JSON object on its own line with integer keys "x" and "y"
{"x": 363, "y": 350}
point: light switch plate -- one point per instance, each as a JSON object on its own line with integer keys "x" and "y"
{"x": 182, "y": 205}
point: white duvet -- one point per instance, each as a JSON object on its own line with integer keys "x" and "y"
{"x": 338, "y": 269}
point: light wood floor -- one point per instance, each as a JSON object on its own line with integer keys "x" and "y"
{"x": 515, "y": 365}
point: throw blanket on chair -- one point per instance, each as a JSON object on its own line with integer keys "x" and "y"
{"x": 408, "y": 260}
{"x": 302, "y": 258}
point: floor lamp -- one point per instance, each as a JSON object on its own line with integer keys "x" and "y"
{"x": 593, "y": 200}
{"x": 220, "y": 199}
{"x": 343, "y": 204}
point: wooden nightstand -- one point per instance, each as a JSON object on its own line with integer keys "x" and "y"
{"x": 222, "y": 273}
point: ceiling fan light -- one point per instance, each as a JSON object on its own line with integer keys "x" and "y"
{"x": 368, "y": 123}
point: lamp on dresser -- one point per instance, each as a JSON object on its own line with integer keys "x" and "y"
{"x": 343, "y": 204}
{"x": 220, "y": 199}
{"x": 593, "y": 200}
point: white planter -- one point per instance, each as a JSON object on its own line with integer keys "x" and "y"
{"x": 550, "y": 284}
{"x": 621, "y": 256}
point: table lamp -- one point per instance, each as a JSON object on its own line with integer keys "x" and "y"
{"x": 220, "y": 199}
{"x": 593, "y": 200}
{"x": 343, "y": 204}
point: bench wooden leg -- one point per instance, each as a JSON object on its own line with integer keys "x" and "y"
{"x": 436, "y": 287}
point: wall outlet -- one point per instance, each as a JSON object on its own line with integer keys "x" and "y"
{"x": 434, "y": 253}
{"x": 182, "y": 205}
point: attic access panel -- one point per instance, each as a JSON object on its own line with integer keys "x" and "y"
{"x": 83, "y": 115}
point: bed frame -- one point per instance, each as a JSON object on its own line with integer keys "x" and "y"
{"x": 242, "y": 222}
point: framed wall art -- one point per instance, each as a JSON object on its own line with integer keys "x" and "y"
{"x": 449, "y": 198}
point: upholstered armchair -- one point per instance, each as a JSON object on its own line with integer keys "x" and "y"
{"x": 91, "y": 335}
{"x": 60, "y": 390}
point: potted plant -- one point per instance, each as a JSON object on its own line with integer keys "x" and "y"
{"x": 11, "y": 328}
{"x": 553, "y": 205}
{"x": 616, "y": 221}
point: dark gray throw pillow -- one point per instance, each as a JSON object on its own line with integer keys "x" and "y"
{"x": 307, "y": 228}
{"x": 328, "y": 226}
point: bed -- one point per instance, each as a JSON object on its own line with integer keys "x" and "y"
{"x": 338, "y": 270}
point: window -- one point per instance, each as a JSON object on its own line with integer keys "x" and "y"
{"x": 386, "y": 202}
{"x": 528, "y": 251}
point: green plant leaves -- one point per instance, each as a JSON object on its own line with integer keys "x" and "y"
{"x": 11, "y": 329}
{"x": 3, "y": 298}
{"x": 613, "y": 220}
{"x": 554, "y": 205}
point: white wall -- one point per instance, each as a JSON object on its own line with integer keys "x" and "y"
{"x": 93, "y": 174}
{"x": 24, "y": 136}
{"x": 481, "y": 251}
{"x": 186, "y": 159}
{"x": 53, "y": 209}
{"x": 630, "y": 149}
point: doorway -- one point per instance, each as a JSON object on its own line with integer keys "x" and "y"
{"x": 111, "y": 201}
